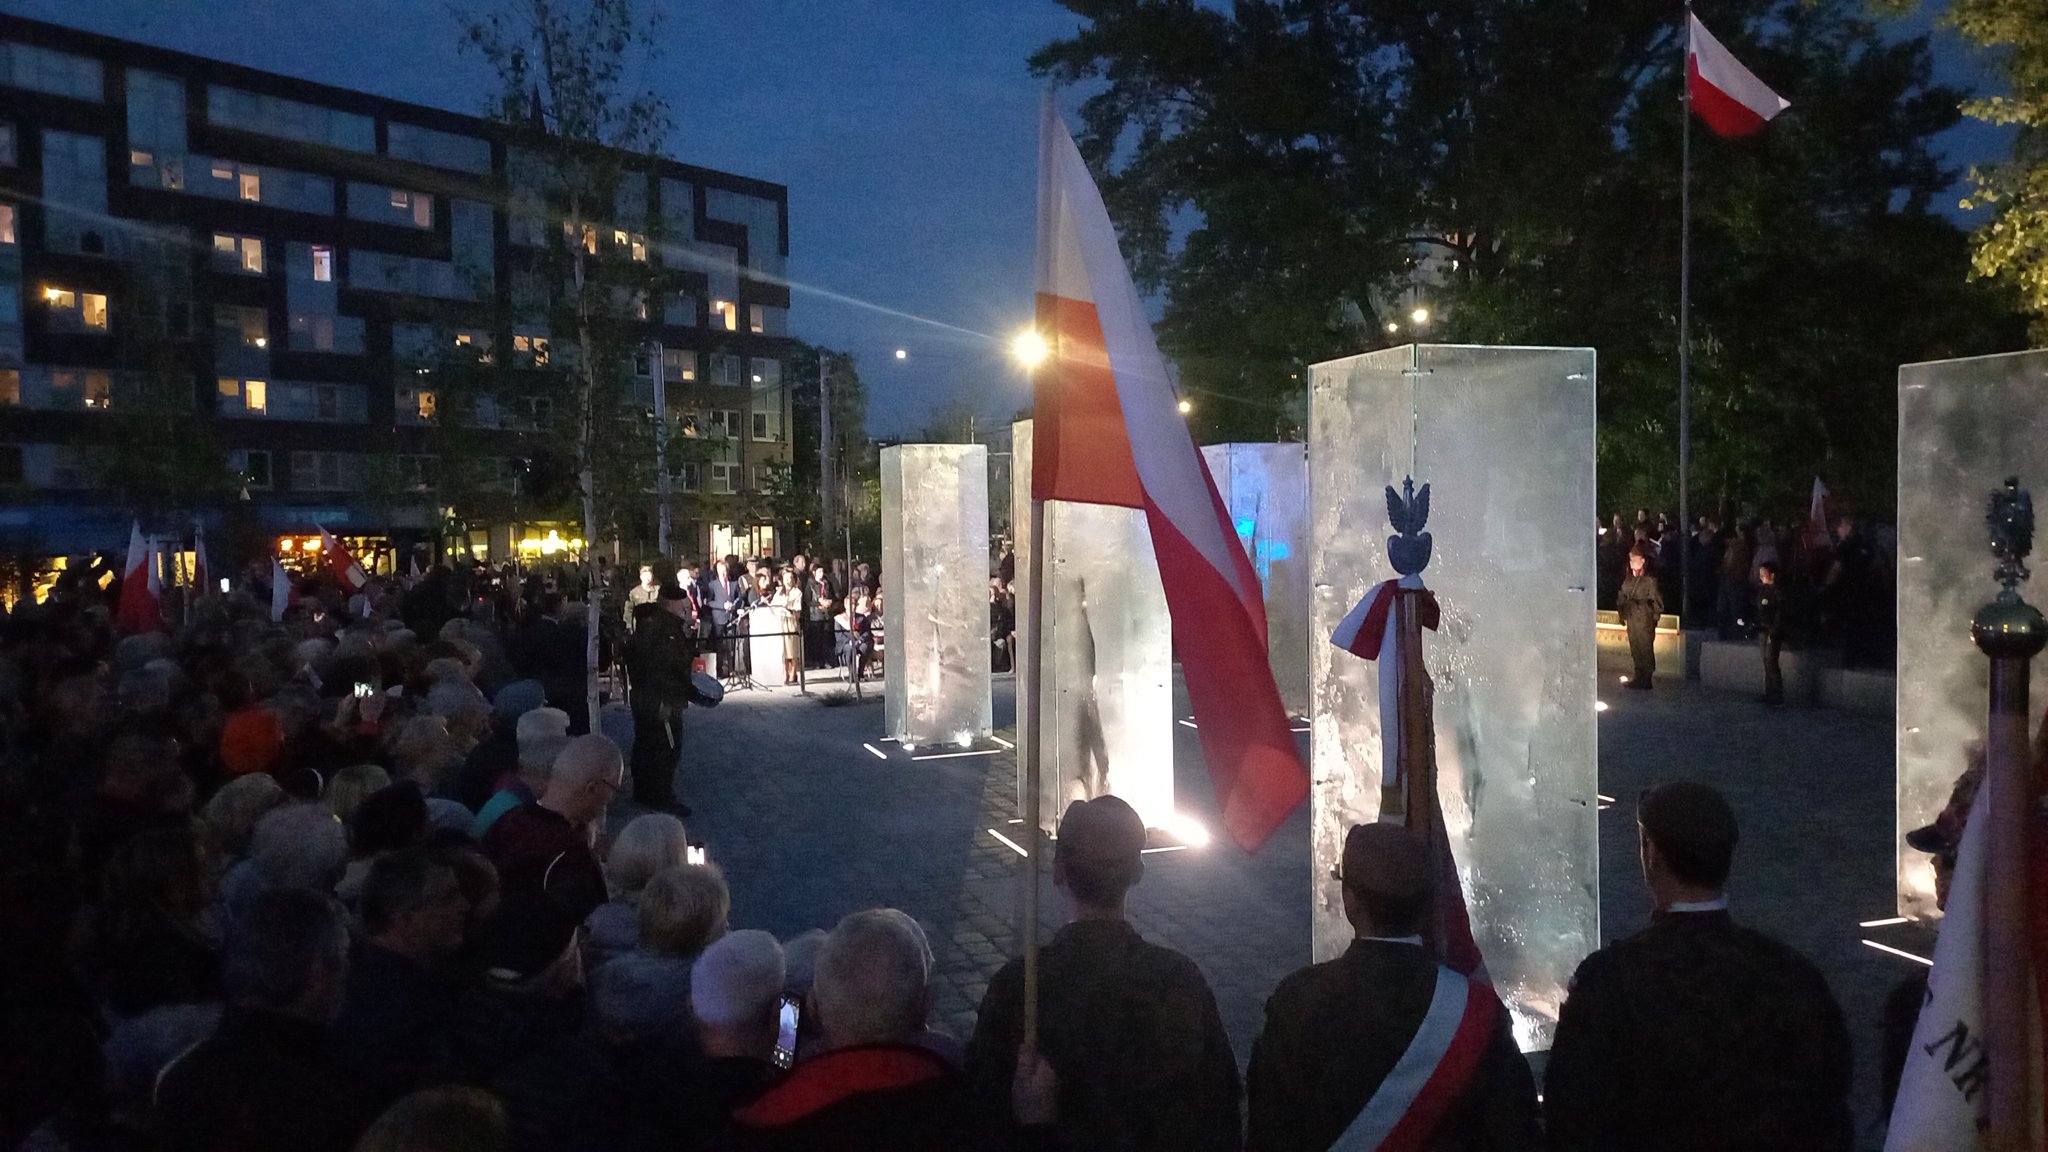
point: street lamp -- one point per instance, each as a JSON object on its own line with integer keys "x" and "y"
{"x": 1186, "y": 406}
{"x": 903, "y": 353}
{"x": 1420, "y": 316}
{"x": 1029, "y": 348}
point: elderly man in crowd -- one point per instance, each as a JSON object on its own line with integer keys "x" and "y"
{"x": 545, "y": 846}
{"x": 875, "y": 1085}
{"x": 401, "y": 985}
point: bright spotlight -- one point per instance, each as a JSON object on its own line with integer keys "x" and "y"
{"x": 903, "y": 353}
{"x": 1186, "y": 406}
{"x": 1188, "y": 830}
{"x": 1392, "y": 327}
{"x": 1029, "y": 348}
{"x": 1420, "y": 315}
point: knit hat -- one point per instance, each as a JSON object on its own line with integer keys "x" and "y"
{"x": 518, "y": 698}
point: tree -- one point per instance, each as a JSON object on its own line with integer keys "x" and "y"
{"x": 563, "y": 67}
{"x": 1293, "y": 176}
{"x": 2013, "y": 246}
{"x": 803, "y": 500}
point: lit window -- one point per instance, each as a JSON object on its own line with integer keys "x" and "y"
{"x": 251, "y": 186}
{"x": 757, "y": 318}
{"x": 727, "y": 314}
{"x": 6, "y": 224}
{"x": 678, "y": 364}
{"x": 323, "y": 263}
{"x": 10, "y": 387}
{"x": 255, "y": 395}
{"x": 223, "y": 244}
{"x": 98, "y": 389}
{"x": 60, "y": 299}
{"x": 400, "y": 199}
{"x": 230, "y": 388}
{"x": 426, "y": 405}
{"x": 140, "y": 157}
{"x": 531, "y": 351}
{"x": 252, "y": 256}
{"x": 223, "y": 170}
{"x": 238, "y": 253}
{"x": 589, "y": 232}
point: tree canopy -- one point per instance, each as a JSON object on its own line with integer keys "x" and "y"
{"x": 1291, "y": 175}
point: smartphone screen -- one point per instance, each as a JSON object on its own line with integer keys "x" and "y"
{"x": 785, "y": 1037}
{"x": 695, "y": 854}
{"x": 362, "y": 689}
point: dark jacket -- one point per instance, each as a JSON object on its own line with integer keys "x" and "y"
{"x": 260, "y": 1083}
{"x": 658, "y": 659}
{"x": 1640, "y": 601}
{"x": 1697, "y": 1034}
{"x": 1131, "y": 1029}
{"x": 899, "y": 1097}
{"x": 1335, "y": 1030}
{"x": 393, "y": 1026}
{"x": 536, "y": 849}
{"x": 538, "y": 1054}
{"x": 679, "y": 1100}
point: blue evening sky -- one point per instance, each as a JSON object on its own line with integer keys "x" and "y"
{"x": 904, "y": 129}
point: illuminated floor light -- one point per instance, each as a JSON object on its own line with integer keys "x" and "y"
{"x": 1899, "y": 952}
{"x": 1599, "y": 705}
{"x": 1163, "y": 848}
{"x": 1884, "y": 923}
{"x": 1624, "y": 679}
{"x": 1604, "y": 797}
{"x": 955, "y": 755}
{"x": 1188, "y": 830}
{"x": 1297, "y": 729}
{"x": 1187, "y": 723}
{"x": 1003, "y": 742}
{"x": 1014, "y": 846}
{"x": 1018, "y": 820}
{"x": 879, "y": 754}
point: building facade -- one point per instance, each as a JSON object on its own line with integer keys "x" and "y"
{"x": 265, "y": 266}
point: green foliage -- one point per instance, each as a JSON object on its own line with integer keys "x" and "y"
{"x": 800, "y": 500}
{"x": 1289, "y": 174}
{"x": 2013, "y": 246}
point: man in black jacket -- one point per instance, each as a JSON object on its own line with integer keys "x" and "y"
{"x": 260, "y": 1081}
{"x": 658, "y": 658}
{"x": 1130, "y": 1027}
{"x": 392, "y": 1027}
{"x": 1336, "y": 1031}
{"x": 1697, "y": 1033}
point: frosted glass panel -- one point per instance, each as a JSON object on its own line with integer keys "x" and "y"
{"x": 935, "y": 592}
{"x": 1504, "y": 436}
{"x": 1964, "y": 426}
{"x": 1107, "y": 667}
{"x": 1265, "y": 487}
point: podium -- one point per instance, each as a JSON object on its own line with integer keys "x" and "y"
{"x": 765, "y": 642}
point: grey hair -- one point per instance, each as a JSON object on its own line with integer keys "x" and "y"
{"x": 645, "y": 846}
{"x": 873, "y": 978}
{"x": 299, "y": 846}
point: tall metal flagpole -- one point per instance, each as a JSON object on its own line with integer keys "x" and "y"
{"x": 1035, "y": 710}
{"x": 661, "y": 480}
{"x": 1685, "y": 328}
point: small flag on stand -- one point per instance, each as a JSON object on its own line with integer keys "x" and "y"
{"x": 342, "y": 562}
{"x": 138, "y": 610}
{"x": 282, "y": 594}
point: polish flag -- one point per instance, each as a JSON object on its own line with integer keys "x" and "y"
{"x": 1727, "y": 96}
{"x": 345, "y": 568}
{"x": 141, "y": 588}
{"x": 202, "y": 572}
{"x": 1108, "y": 430}
{"x": 282, "y": 594}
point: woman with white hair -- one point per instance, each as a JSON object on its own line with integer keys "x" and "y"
{"x": 644, "y": 847}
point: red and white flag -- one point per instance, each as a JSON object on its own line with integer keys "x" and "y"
{"x": 282, "y": 594}
{"x": 1727, "y": 96}
{"x": 141, "y": 588}
{"x": 344, "y": 564}
{"x": 202, "y": 572}
{"x": 1107, "y": 430}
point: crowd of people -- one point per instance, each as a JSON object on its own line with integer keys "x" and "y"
{"x": 366, "y": 878}
{"x": 1790, "y": 583}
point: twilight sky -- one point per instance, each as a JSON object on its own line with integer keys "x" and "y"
{"x": 904, "y": 129}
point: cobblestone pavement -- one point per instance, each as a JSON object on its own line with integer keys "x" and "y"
{"x": 809, "y": 824}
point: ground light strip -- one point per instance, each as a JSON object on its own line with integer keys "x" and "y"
{"x": 879, "y": 754}
{"x": 1003, "y": 742}
{"x": 955, "y": 755}
{"x": 1884, "y": 923}
{"x": 1014, "y": 846}
{"x": 1163, "y": 848}
{"x": 1899, "y": 952}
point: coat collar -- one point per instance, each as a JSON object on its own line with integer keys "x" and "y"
{"x": 820, "y": 1083}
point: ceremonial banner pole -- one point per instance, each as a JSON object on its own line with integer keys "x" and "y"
{"x": 1685, "y": 336}
{"x": 2011, "y": 632}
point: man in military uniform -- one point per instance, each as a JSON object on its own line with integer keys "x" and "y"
{"x": 658, "y": 661}
{"x": 1322, "y": 1069}
{"x": 1130, "y": 1028}
{"x": 1697, "y": 1033}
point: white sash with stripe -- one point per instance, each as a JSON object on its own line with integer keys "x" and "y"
{"x": 1376, "y": 1120}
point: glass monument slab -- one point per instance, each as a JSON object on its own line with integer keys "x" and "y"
{"x": 1107, "y": 664}
{"x": 1505, "y": 439}
{"x": 1964, "y": 427}
{"x": 935, "y": 593}
{"x": 1265, "y": 488}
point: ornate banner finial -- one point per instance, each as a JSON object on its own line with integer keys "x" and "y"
{"x": 2009, "y": 626}
{"x": 1408, "y": 510}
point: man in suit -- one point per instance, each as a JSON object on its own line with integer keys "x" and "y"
{"x": 725, "y": 597}
{"x": 1697, "y": 1033}
{"x": 1320, "y": 1070}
